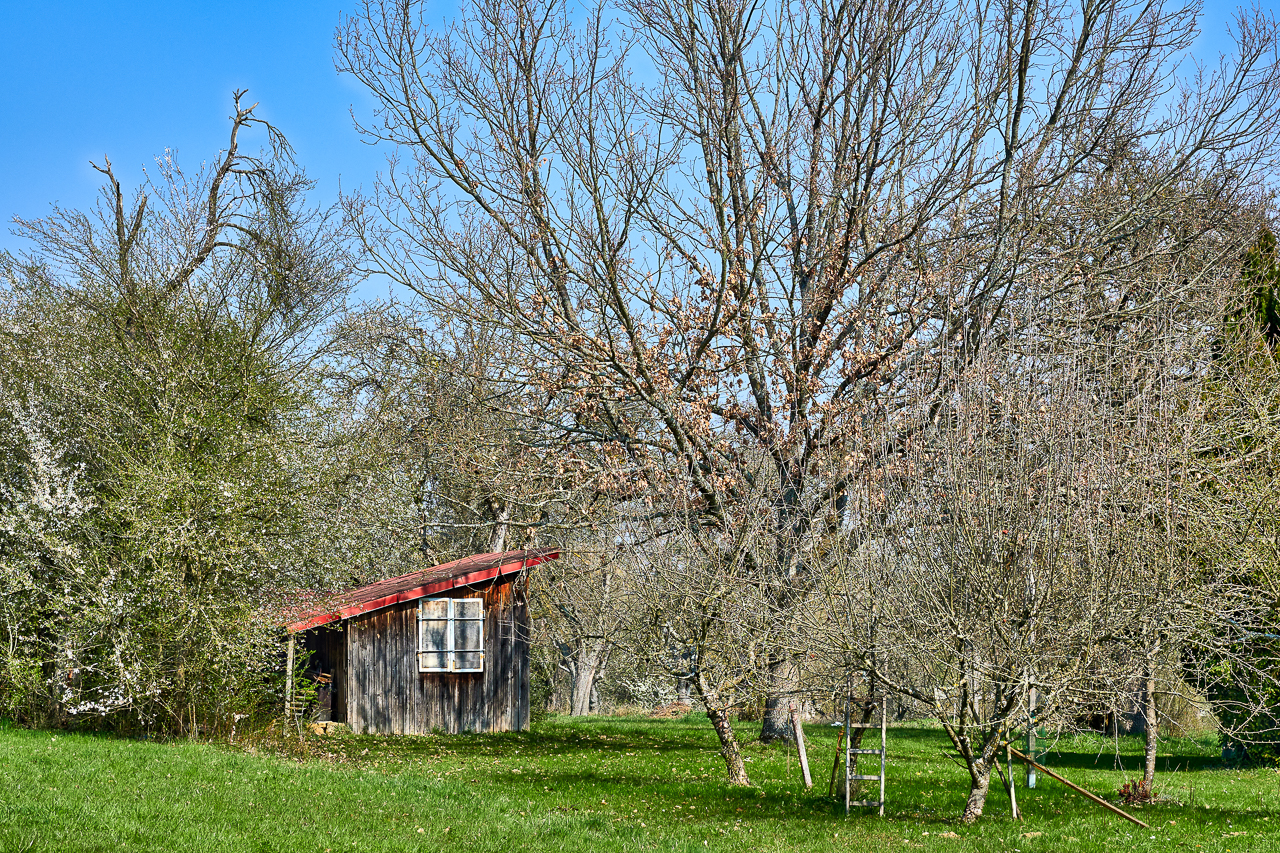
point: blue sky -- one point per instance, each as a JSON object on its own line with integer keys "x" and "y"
{"x": 130, "y": 79}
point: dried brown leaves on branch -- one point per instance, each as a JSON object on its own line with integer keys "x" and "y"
{"x": 735, "y": 240}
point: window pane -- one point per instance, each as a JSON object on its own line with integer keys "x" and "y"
{"x": 470, "y": 660}
{"x": 429, "y": 661}
{"x": 467, "y": 636}
{"x": 468, "y": 608}
{"x": 434, "y": 635}
{"x": 434, "y": 608}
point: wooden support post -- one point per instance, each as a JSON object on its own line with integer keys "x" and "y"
{"x": 288, "y": 681}
{"x": 1073, "y": 786}
{"x": 804, "y": 756}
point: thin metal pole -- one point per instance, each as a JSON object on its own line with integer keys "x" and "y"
{"x": 1031, "y": 735}
{"x": 847, "y": 754}
{"x": 1031, "y": 691}
{"x": 884, "y": 716}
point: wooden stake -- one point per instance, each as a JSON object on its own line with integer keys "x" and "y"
{"x": 804, "y": 757}
{"x": 1073, "y": 786}
{"x": 1013, "y": 790}
{"x": 1008, "y": 783}
{"x": 835, "y": 768}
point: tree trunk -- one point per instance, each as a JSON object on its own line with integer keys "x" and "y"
{"x": 719, "y": 716}
{"x": 979, "y": 784}
{"x": 501, "y": 512}
{"x": 1151, "y": 723}
{"x": 555, "y": 702}
{"x": 585, "y": 674}
{"x": 729, "y": 749}
{"x": 859, "y": 727}
{"x": 784, "y": 681}
{"x": 684, "y": 689}
{"x": 580, "y": 697}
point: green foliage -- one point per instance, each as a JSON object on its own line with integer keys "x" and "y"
{"x": 597, "y": 784}
{"x": 159, "y": 453}
{"x": 1242, "y": 498}
{"x": 1261, "y": 280}
{"x": 1249, "y": 708}
{"x": 145, "y": 496}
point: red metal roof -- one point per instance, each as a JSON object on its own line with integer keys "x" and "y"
{"x": 415, "y": 585}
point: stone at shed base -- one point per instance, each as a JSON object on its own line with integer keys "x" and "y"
{"x": 327, "y": 728}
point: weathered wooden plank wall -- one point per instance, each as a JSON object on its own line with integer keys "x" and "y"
{"x": 384, "y": 692}
{"x": 350, "y": 686}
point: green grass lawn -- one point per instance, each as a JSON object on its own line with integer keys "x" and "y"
{"x": 599, "y": 784}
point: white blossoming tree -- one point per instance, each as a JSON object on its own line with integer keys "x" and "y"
{"x": 159, "y": 445}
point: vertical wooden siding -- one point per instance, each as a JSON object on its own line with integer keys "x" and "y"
{"x": 385, "y": 693}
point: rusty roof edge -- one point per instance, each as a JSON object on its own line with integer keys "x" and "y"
{"x": 508, "y": 567}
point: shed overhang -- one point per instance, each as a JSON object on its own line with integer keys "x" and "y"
{"x": 465, "y": 572}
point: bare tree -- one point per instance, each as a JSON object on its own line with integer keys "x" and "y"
{"x": 697, "y": 614}
{"x": 1148, "y": 329}
{"x": 729, "y": 232}
{"x": 1033, "y": 528}
{"x": 581, "y": 606}
{"x": 997, "y": 567}
{"x": 431, "y": 409}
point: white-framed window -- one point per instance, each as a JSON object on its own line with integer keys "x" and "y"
{"x": 451, "y": 635}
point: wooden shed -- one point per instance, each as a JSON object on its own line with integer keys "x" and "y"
{"x": 446, "y": 648}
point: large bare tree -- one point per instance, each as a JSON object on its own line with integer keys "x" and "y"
{"x": 728, "y": 234}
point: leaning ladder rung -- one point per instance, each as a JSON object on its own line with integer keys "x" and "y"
{"x": 850, "y": 764}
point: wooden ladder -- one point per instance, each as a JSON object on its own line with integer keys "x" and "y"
{"x": 851, "y": 774}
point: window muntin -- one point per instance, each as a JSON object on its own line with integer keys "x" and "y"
{"x": 451, "y": 635}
